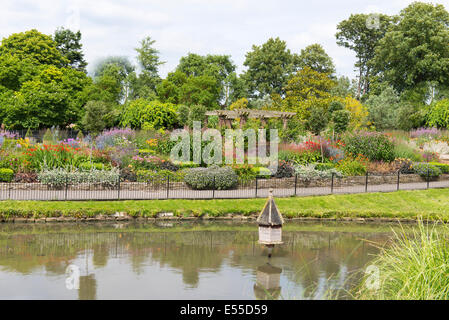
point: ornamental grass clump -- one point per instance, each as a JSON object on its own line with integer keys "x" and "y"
{"x": 214, "y": 177}
{"x": 414, "y": 267}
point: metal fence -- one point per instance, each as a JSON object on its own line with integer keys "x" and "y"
{"x": 164, "y": 188}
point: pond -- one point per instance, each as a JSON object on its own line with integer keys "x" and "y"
{"x": 183, "y": 260}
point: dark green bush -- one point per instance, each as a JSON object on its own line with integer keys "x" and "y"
{"x": 373, "y": 145}
{"x": 284, "y": 170}
{"x": 6, "y": 175}
{"x": 203, "y": 178}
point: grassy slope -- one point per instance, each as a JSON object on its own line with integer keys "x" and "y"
{"x": 431, "y": 204}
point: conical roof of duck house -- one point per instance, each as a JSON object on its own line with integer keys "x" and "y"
{"x": 270, "y": 215}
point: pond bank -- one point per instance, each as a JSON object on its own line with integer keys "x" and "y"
{"x": 430, "y": 204}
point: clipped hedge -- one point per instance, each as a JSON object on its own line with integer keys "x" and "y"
{"x": 210, "y": 178}
{"x": 6, "y": 175}
{"x": 442, "y": 166}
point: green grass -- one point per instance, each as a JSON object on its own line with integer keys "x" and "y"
{"x": 429, "y": 204}
{"x": 414, "y": 267}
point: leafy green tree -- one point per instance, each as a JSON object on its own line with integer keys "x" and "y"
{"x": 169, "y": 89}
{"x": 197, "y": 113}
{"x": 69, "y": 44}
{"x": 115, "y": 75}
{"x": 144, "y": 85}
{"x": 343, "y": 87}
{"x": 317, "y": 59}
{"x": 54, "y": 97}
{"x": 220, "y": 67}
{"x": 97, "y": 117}
{"x": 33, "y": 46}
{"x": 142, "y": 113}
{"x": 308, "y": 90}
{"x": 438, "y": 115}
{"x": 355, "y": 33}
{"x": 269, "y": 68}
{"x": 317, "y": 120}
{"x": 383, "y": 109}
{"x": 340, "y": 120}
{"x": 183, "y": 115}
{"x": 415, "y": 50}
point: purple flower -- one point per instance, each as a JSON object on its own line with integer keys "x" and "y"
{"x": 425, "y": 132}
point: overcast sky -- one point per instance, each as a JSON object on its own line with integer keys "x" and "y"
{"x": 198, "y": 26}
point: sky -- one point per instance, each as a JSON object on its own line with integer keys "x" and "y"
{"x": 231, "y": 27}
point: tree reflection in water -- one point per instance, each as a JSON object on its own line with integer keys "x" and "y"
{"x": 307, "y": 265}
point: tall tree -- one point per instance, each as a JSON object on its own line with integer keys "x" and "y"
{"x": 316, "y": 58}
{"x": 220, "y": 67}
{"x": 415, "y": 50}
{"x": 33, "y": 46}
{"x": 144, "y": 85}
{"x": 69, "y": 44}
{"x": 116, "y": 74}
{"x": 269, "y": 67}
{"x": 361, "y": 36}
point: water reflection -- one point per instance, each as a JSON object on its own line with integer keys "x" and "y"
{"x": 267, "y": 282}
{"x": 141, "y": 262}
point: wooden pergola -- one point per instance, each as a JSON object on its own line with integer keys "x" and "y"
{"x": 225, "y": 117}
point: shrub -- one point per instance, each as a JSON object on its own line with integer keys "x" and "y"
{"x": 353, "y": 166}
{"x": 6, "y": 175}
{"x": 57, "y": 178}
{"x": 442, "y": 166}
{"x": 245, "y": 172}
{"x": 262, "y": 172}
{"x": 426, "y": 169}
{"x": 128, "y": 175}
{"x": 340, "y": 119}
{"x": 149, "y": 114}
{"x": 98, "y": 115}
{"x": 439, "y": 114}
{"x": 203, "y": 178}
{"x": 309, "y": 172}
{"x": 87, "y": 166}
{"x": 284, "y": 170}
{"x": 375, "y": 146}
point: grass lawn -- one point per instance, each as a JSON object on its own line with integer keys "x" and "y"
{"x": 430, "y": 204}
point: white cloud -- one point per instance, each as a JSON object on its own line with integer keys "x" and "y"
{"x": 231, "y": 27}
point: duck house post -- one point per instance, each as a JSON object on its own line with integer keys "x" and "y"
{"x": 270, "y": 224}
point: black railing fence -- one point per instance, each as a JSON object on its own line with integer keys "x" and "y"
{"x": 168, "y": 188}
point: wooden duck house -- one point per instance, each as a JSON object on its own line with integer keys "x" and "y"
{"x": 270, "y": 223}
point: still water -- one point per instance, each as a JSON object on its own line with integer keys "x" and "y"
{"x": 183, "y": 261}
